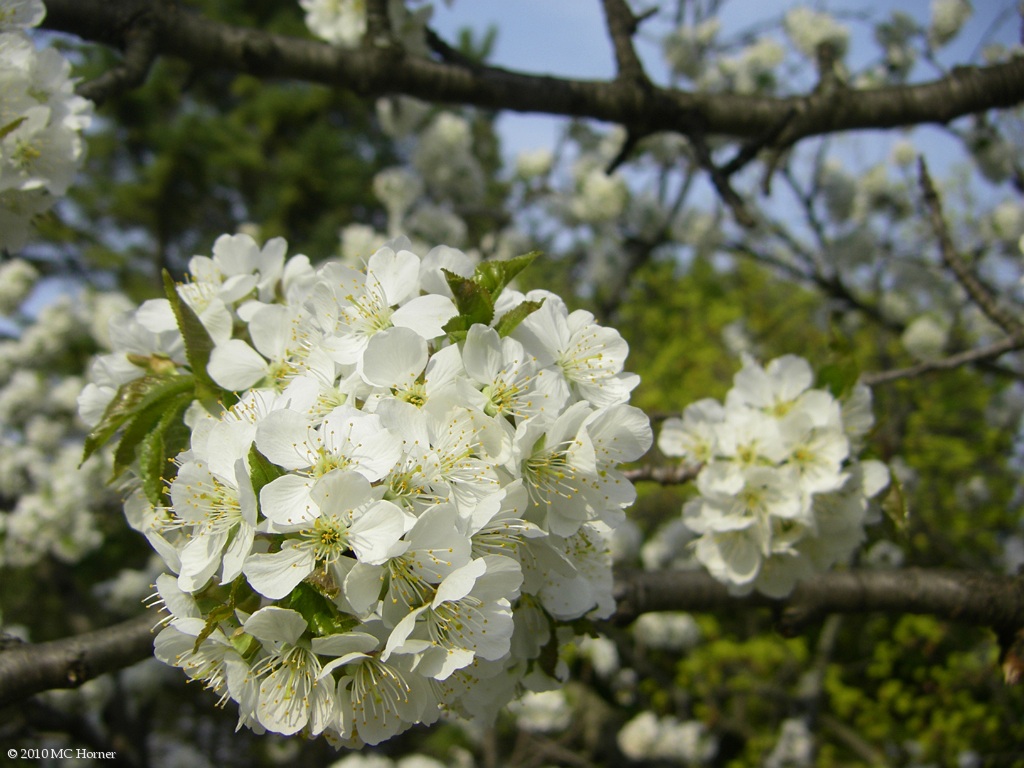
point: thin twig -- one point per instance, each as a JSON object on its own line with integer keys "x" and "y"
{"x": 980, "y": 293}
{"x": 977, "y": 355}
{"x": 663, "y": 475}
{"x": 752, "y": 148}
{"x": 447, "y": 53}
{"x": 139, "y": 54}
{"x": 720, "y": 181}
{"x": 622, "y": 25}
{"x": 633, "y": 137}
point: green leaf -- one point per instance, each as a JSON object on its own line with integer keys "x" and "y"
{"x": 261, "y": 471}
{"x": 894, "y": 505}
{"x": 457, "y": 328}
{"x": 163, "y": 415}
{"x": 132, "y": 398}
{"x": 167, "y": 438}
{"x": 495, "y": 275}
{"x": 213, "y": 620}
{"x": 515, "y": 316}
{"x": 198, "y": 344}
{"x": 152, "y": 461}
{"x": 12, "y": 126}
{"x": 548, "y": 658}
{"x": 473, "y": 300}
{"x": 322, "y": 616}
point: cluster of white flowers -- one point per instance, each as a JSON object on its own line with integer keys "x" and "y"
{"x": 41, "y": 120}
{"x": 948, "y": 16}
{"x": 417, "y": 479}
{"x": 343, "y": 22}
{"x": 17, "y": 279}
{"x": 795, "y": 747}
{"x": 49, "y": 502}
{"x": 808, "y": 28}
{"x": 782, "y": 493}
{"x": 685, "y": 47}
{"x": 599, "y": 197}
{"x": 648, "y": 737}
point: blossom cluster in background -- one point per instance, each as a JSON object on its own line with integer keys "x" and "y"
{"x": 782, "y": 493}
{"x": 41, "y": 120}
{"x": 395, "y": 481}
{"x": 344, "y": 22}
{"x": 50, "y": 503}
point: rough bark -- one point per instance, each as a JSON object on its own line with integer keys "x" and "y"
{"x": 31, "y": 668}
{"x": 627, "y": 100}
{"x": 984, "y": 600}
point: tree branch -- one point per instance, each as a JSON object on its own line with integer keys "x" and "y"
{"x": 207, "y": 43}
{"x": 988, "y": 600}
{"x": 980, "y": 293}
{"x": 622, "y": 25}
{"x": 662, "y": 475}
{"x": 31, "y": 668}
{"x": 968, "y": 357}
{"x": 139, "y": 54}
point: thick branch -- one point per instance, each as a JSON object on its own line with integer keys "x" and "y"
{"x": 971, "y": 598}
{"x": 28, "y": 669}
{"x": 988, "y": 600}
{"x": 140, "y": 50}
{"x": 207, "y": 43}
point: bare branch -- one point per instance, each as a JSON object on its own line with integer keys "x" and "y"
{"x": 750, "y": 150}
{"x": 981, "y": 294}
{"x": 31, "y": 668}
{"x": 139, "y": 54}
{"x": 968, "y": 357}
{"x": 663, "y": 475}
{"x": 987, "y": 600}
{"x": 451, "y": 55}
{"x": 622, "y": 25}
{"x": 720, "y": 181}
{"x": 210, "y": 44}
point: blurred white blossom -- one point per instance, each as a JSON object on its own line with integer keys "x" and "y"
{"x": 648, "y": 737}
{"x": 808, "y": 28}
{"x": 795, "y": 747}
{"x": 17, "y": 278}
{"x": 947, "y": 18}
{"x": 667, "y": 631}
{"x": 41, "y": 121}
{"x": 926, "y": 337}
